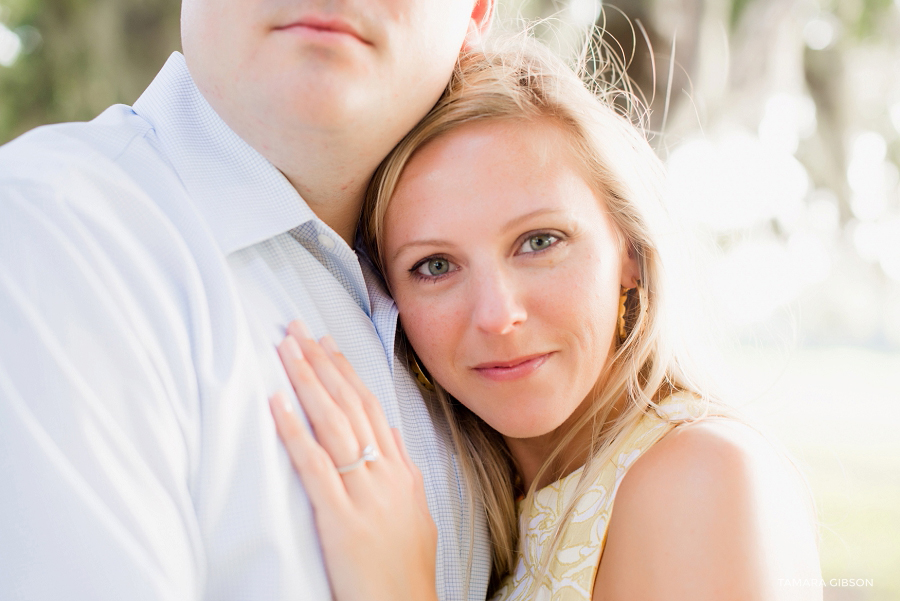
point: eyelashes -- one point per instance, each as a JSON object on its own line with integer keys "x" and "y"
{"x": 437, "y": 267}
{"x": 433, "y": 268}
{"x": 538, "y": 242}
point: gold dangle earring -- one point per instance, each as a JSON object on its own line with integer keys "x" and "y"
{"x": 627, "y": 310}
{"x": 623, "y": 296}
{"x": 420, "y": 374}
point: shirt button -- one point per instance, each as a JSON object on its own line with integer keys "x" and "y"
{"x": 326, "y": 242}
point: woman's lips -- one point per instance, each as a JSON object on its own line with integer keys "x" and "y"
{"x": 500, "y": 371}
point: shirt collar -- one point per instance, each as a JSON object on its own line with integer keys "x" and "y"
{"x": 241, "y": 195}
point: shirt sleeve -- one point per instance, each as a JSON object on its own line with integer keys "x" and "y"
{"x": 98, "y": 401}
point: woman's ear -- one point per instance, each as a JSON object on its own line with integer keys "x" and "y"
{"x": 480, "y": 23}
{"x": 631, "y": 271}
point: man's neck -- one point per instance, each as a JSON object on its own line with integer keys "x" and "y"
{"x": 330, "y": 173}
{"x": 330, "y": 169}
{"x": 336, "y": 199}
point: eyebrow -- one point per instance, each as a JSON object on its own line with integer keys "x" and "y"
{"x": 413, "y": 244}
{"x": 507, "y": 226}
{"x": 536, "y": 213}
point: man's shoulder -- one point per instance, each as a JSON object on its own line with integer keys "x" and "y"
{"x": 102, "y": 193}
{"x": 48, "y": 155}
{"x": 110, "y": 170}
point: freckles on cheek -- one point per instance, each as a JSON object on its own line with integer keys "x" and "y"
{"x": 437, "y": 334}
{"x": 424, "y": 329}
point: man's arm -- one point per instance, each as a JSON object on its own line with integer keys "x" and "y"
{"x": 97, "y": 407}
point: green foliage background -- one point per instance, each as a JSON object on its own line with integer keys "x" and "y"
{"x": 81, "y": 56}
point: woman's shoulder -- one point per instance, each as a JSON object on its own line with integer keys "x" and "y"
{"x": 716, "y": 468}
{"x": 708, "y": 510}
{"x": 720, "y": 451}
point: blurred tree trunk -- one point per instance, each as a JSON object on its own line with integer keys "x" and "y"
{"x": 92, "y": 53}
{"x": 641, "y": 34}
{"x": 648, "y": 31}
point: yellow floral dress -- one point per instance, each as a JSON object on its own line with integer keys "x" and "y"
{"x": 571, "y": 572}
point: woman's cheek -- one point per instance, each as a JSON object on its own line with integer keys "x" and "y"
{"x": 427, "y": 327}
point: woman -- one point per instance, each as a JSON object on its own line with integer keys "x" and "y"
{"x": 518, "y": 229}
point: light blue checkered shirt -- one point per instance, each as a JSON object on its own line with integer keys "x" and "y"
{"x": 149, "y": 262}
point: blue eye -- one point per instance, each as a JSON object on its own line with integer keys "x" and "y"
{"x": 538, "y": 242}
{"x": 434, "y": 268}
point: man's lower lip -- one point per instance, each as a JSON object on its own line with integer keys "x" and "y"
{"x": 515, "y": 372}
{"x": 320, "y": 34}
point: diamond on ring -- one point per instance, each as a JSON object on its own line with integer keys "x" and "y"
{"x": 369, "y": 453}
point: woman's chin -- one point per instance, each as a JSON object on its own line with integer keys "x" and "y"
{"x": 521, "y": 413}
{"x": 526, "y": 428}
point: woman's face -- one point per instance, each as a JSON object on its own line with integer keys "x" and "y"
{"x": 506, "y": 270}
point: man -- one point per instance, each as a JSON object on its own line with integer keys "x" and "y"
{"x": 149, "y": 262}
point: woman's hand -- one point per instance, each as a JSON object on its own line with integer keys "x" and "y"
{"x": 377, "y": 536}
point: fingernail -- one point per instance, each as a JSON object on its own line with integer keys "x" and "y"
{"x": 328, "y": 344}
{"x": 282, "y": 402}
{"x": 301, "y": 328}
{"x": 289, "y": 347}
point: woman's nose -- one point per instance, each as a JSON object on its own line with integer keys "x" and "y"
{"x": 498, "y": 306}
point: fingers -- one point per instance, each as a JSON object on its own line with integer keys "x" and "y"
{"x": 419, "y": 481}
{"x": 367, "y": 401}
{"x": 330, "y": 424}
{"x": 398, "y": 440}
{"x": 313, "y": 464}
{"x": 321, "y": 358}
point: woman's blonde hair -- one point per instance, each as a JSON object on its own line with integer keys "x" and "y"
{"x": 524, "y": 81}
